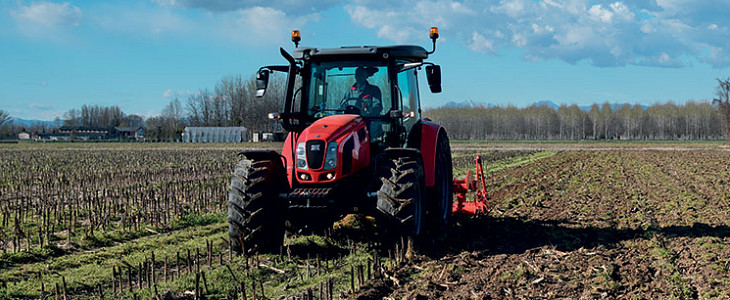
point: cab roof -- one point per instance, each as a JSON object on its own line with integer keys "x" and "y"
{"x": 407, "y": 52}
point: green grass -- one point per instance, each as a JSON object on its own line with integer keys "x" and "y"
{"x": 504, "y": 164}
{"x": 85, "y": 270}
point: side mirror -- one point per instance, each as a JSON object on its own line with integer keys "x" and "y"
{"x": 262, "y": 80}
{"x": 433, "y": 75}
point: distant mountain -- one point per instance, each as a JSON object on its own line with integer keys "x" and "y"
{"x": 24, "y": 122}
{"x": 466, "y": 104}
{"x": 547, "y": 103}
{"x": 614, "y": 106}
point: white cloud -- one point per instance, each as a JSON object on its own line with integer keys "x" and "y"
{"x": 292, "y": 8}
{"x": 152, "y": 22}
{"x": 46, "y": 20}
{"x": 622, "y": 12}
{"x": 39, "y": 106}
{"x": 665, "y": 33}
{"x": 408, "y": 22}
{"x": 170, "y": 93}
{"x": 601, "y": 32}
{"x": 255, "y": 25}
{"x": 598, "y": 13}
{"x": 479, "y": 43}
{"x": 49, "y": 14}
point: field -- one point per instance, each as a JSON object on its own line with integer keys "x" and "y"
{"x": 570, "y": 221}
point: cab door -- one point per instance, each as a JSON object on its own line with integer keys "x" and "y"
{"x": 408, "y": 98}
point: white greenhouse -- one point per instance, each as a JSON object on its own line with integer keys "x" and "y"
{"x": 214, "y": 134}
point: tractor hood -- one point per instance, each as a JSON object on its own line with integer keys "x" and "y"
{"x": 330, "y": 149}
{"x": 331, "y": 128}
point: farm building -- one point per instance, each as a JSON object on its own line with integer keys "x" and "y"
{"x": 23, "y": 136}
{"x": 214, "y": 134}
{"x": 88, "y": 132}
{"x": 136, "y": 133}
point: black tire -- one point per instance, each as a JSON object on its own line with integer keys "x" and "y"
{"x": 440, "y": 196}
{"x": 256, "y": 213}
{"x": 401, "y": 197}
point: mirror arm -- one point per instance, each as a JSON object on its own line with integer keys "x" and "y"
{"x": 408, "y": 66}
{"x": 277, "y": 68}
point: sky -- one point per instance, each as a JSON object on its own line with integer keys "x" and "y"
{"x": 58, "y": 55}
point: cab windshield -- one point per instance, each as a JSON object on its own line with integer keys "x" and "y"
{"x": 349, "y": 88}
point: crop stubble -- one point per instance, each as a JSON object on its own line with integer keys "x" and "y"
{"x": 592, "y": 225}
{"x": 630, "y": 224}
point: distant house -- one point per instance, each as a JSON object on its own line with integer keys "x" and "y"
{"x": 136, "y": 133}
{"x": 23, "y": 136}
{"x": 214, "y": 134}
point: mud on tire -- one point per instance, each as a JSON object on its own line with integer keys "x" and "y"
{"x": 256, "y": 213}
{"x": 401, "y": 197}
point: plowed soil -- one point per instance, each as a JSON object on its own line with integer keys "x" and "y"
{"x": 586, "y": 225}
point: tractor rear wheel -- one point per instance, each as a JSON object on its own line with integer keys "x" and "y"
{"x": 256, "y": 213}
{"x": 440, "y": 196}
{"x": 401, "y": 197}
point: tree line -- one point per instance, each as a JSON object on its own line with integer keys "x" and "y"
{"x": 232, "y": 102}
{"x": 693, "y": 120}
{"x": 689, "y": 121}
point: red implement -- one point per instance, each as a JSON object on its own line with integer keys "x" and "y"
{"x": 471, "y": 184}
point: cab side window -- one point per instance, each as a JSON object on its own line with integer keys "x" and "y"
{"x": 408, "y": 93}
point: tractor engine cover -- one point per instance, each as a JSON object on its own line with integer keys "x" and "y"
{"x": 330, "y": 149}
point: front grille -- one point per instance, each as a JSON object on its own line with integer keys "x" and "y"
{"x": 315, "y": 154}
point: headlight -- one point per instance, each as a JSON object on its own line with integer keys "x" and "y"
{"x": 331, "y": 157}
{"x": 301, "y": 156}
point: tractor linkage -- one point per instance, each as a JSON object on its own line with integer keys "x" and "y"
{"x": 480, "y": 205}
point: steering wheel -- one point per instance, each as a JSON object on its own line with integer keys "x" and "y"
{"x": 351, "y": 101}
{"x": 352, "y": 110}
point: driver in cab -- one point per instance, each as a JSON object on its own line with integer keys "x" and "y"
{"x": 363, "y": 95}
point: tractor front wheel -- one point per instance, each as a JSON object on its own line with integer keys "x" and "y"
{"x": 401, "y": 197}
{"x": 256, "y": 213}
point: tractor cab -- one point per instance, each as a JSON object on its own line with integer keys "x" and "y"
{"x": 377, "y": 83}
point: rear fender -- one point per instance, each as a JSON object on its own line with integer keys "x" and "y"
{"x": 424, "y": 136}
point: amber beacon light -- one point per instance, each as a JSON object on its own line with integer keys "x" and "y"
{"x": 434, "y": 33}
{"x": 296, "y": 37}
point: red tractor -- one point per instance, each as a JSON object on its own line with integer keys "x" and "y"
{"x": 357, "y": 144}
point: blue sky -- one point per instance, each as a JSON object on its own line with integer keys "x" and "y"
{"x": 57, "y": 55}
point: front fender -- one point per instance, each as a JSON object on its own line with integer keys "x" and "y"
{"x": 424, "y": 137}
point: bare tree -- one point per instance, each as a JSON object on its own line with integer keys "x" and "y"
{"x": 95, "y": 116}
{"x": 723, "y": 102}
{"x": 4, "y": 118}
